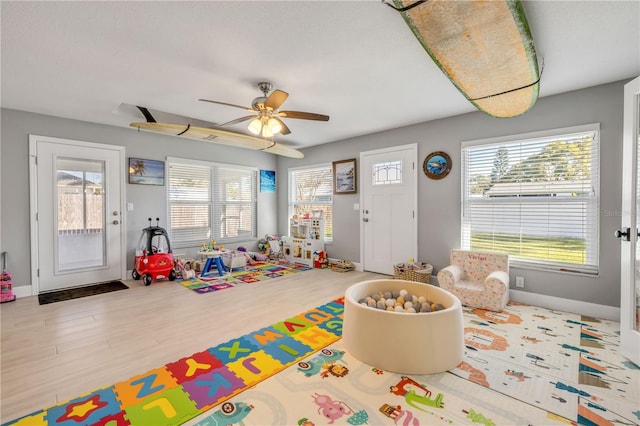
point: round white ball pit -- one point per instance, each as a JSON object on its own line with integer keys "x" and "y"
{"x": 406, "y": 343}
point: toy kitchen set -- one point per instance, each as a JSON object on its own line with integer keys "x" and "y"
{"x": 306, "y": 237}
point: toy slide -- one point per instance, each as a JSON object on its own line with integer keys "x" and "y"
{"x": 484, "y": 47}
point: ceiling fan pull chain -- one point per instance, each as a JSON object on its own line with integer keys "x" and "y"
{"x": 404, "y": 9}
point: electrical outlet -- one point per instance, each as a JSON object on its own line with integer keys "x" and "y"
{"x": 520, "y": 282}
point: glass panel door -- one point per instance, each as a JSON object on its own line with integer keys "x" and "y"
{"x": 77, "y": 196}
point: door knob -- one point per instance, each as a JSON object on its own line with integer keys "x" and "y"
{"x": 115, "y": 222}
{"x": 364, "y": 219}
{"x": 624, "y": 234}
{"x": 115, "y": 213}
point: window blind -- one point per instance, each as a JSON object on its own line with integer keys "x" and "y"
{"x": 209, "y": 201}
{"x": 235, "y": 203}
{"x": 189, "y": 204}
{"x": 535, "y": 197}
{"x": 311, "y": 188}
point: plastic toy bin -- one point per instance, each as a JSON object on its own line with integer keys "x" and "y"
{"x": 406, "y": 343}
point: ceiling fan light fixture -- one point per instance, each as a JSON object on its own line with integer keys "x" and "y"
{"x": 255, "y": 126}
{"x": 267, "y": 132}
{"x": 274, "y": 126}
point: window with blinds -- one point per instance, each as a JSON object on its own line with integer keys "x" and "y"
{"x": 311, "y": 188}
{"x": 535, "y": 197}
{"x": 209, "y": 201}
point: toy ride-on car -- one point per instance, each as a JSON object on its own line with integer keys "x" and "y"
{"x": 154, "y": 258}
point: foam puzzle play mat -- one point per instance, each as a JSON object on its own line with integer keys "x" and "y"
{"x": 524, "y": 365}
{"x": 250, "y": 274}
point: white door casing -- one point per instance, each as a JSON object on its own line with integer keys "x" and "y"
{"x": 92, "y": 249}
{"x": 388, "y": 207}
{"x": 628, "y": 234}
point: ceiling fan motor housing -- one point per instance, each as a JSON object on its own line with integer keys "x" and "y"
{"x": 258, "y": 103}
{"x": 265, "y": 87}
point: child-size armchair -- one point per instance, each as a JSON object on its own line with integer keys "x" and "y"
{"x": 480, "y": 280}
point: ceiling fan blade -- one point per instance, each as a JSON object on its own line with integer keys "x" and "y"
{"x": 276, "y": 99}
{"x": 227, "y": 104}
{"x": 238, "y": 120}
{"x": 285, "y": 130}
{"x": 303, "y": 115}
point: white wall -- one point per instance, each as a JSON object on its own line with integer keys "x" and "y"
{"x": 439, "y": 200}
{"x": 149, "y": 201}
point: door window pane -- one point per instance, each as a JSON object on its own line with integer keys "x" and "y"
{"x": 80, "y": 214}
{"x": 387, "y": 173}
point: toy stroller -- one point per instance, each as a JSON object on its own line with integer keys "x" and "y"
{"x": 154, "y": 258}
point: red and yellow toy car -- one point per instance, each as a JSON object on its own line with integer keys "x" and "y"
{"x": 154, "y": 258}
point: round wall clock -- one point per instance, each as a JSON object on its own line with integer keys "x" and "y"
{"x": 437, "y": 165}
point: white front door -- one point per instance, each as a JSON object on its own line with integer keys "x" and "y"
{"x": 630, "y": 269}
{"x": 388, "y": 207}
{"x": 76, "y": 204}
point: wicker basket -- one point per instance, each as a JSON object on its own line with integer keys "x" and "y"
{"x": 403, "y": 271}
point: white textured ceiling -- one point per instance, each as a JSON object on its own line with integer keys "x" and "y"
{"x": 356, "y": 61}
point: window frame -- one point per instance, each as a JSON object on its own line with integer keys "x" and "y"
{"x": 291, "y": 196}
{"x": 591, "y": 267}
{"x": 215, "y": 202}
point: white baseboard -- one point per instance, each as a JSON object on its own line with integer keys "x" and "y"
{"x": 567, "y": 305}
{"x": 22, "y": 291}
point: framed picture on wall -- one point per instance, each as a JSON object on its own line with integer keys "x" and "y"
{"x": 345, "y": 176}
{"x": 267, "y": 181}
{"x": 146, "y": 172}
{"x": 437, "y": 165}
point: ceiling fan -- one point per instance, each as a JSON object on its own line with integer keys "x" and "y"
{"x": 265, "y": 114}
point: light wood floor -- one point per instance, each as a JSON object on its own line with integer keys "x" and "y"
{"x": 52, "y": 353}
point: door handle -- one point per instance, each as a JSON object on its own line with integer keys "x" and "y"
{"x": 115, "y": 222}
{"x": 624, "y": 234}
{"x": 364, "y": 219}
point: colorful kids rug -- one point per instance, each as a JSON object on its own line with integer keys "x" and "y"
{"x": 259, "y": 271}
{"x": 525, "y": 365}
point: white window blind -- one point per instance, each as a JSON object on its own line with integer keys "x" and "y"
{"x": 208, "y": 201}
{"x": 235, "y": 203}
{"x": 189, "y": 204}
{"x": 311, "y": 188}
{"x": 535, "y": 197}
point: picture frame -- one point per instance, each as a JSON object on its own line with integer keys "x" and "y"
{"x": 437, "y": 165}
{"x": 345, "y": 177}
{"x": 267, "y": 181}
{"x": 146, "y": 172}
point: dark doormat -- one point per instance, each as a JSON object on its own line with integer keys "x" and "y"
{"x": 75, "y": 293}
